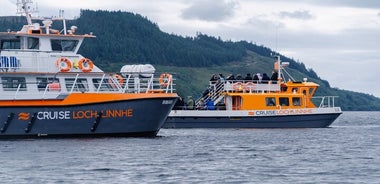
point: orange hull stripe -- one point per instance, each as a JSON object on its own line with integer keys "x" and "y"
{"x": 85, "y": 98}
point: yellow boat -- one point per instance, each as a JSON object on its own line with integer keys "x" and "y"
{"x": 258, "y": 104}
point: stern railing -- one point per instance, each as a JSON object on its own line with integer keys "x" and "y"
{"x": 325, "y": 101}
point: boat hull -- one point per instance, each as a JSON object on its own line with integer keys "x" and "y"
{"x": 137, "y": 117}
{"x": 218, "y": 120}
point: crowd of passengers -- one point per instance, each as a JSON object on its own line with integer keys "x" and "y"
{"x": 206, "y": 103}
{"x": 203, "y": 104}
{"x": 257, "y": 78}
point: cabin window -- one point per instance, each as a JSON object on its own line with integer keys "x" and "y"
{"x": 33, "y": 43}
{"x": 81, "y": 84}
{"x": 270, "y": 101}
{"x": 284, "y": 101}
{"x": 284, "y": 88}
{"x": 10, "y": 44}
{"x": 311, "y": 90}
{"x": 51, "y": 83}
{"x": 294, "y": 90}
{"x": 13, "y": 83}
{"x": 296, "y": 101}
{"x": 105, "y": 85}
{"x": 63, "y": 45}
{"x": 304, "y": 92}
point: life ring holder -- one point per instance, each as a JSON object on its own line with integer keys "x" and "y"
{"x": 249, "y": 86}
{"x": 63, "y": 64}
{"x": 86, "y": 65}
{"x": 165, "y": 79}
{"x": 238, "y": 86}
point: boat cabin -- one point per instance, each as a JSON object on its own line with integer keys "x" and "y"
{"x": 39, "y": 62}
{"x": 291, "y": 95}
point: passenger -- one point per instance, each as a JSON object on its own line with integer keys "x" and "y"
{"x": 265, "y": 79}
{"x": 274, "y": 77}
{"x": 257, "y": 78}
{"x": 272, "y": 102}
{"x": 180, "y": 104}
{"x": 221, "y": 78}
{"x": 260, "y": 77}
{"x": 214, "y": 78}
{"x": 248, "y": 78}
{"x": 190, "y": 103}
{"x": 230, "y": 77}
{"x": 201, "y": 104}
{"x": 210, "y": 104}
{"x": 239, "y": 77}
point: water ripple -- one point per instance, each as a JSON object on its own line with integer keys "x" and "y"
{"x": 348, "y": 152}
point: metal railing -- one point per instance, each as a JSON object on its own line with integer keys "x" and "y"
{"x": 216, "y": 88}
{"x": 64, "y": 84}
{"x": 325, "y": 101}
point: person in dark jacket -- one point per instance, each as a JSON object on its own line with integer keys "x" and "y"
{"x": 239, "y": 77}
{"x": 180, "y": 104}
{"x": 230, "y": 77}
{"x": 265, "y": 79}
{"x": 248, "y": 77}
{"x": 256, "y": 78}
{"x": 274, "y": 77}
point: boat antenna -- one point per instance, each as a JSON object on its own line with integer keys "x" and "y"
{"x": 279, "y": 66}
{"x": 24, "y": 7}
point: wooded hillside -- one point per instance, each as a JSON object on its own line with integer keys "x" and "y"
{"x": 128, "y": 38}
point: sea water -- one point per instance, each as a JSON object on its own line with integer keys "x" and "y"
{"x": 347, "y": 152}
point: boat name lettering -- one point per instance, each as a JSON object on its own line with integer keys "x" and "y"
{"x": 115, "y": 113}
{"x": 83, "y": 114}
{"x": 265, "y": 113}
{"x": 283, "y": 112}
{"x": 53, "y": 115}
{"x": 294, "y": 111}
{"x": 167, "y": 102}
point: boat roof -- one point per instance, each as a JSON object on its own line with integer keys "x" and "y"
{"x": 298, "y": 84}
{"x": 13, "y": 34}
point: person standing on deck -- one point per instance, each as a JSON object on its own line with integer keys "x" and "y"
{"x": 190, "y": 103}
{"x": 274, "y": 77}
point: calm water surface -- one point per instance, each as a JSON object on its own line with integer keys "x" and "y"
{"x": 348, "y": 152}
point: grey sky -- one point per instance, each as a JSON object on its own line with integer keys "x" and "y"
{"x": 337, "y": 38}
{"x": 209, "y": 10}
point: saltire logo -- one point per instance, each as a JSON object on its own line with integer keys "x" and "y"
{"x": 23, "y": 116}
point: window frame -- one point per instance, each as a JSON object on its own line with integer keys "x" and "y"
{"x": 12, "y": 83}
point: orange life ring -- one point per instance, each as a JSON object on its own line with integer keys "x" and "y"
{"x": 119, "y": 79}
{"x": 249, "y": 86}
{"x": 85, "y": 64}
{"x": 238, "y": 86}
{"x": 165, "y": 79}
{"x": 64, "y": 64}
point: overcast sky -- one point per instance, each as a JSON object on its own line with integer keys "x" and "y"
{"x": 339, "y": 39}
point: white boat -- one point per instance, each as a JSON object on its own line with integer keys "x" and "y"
{"x": 49, "y": 90}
